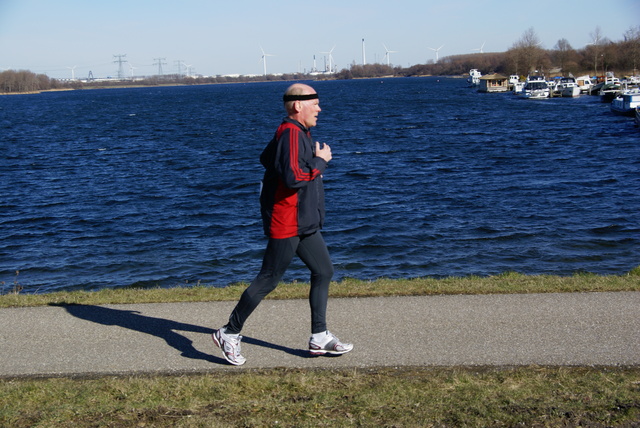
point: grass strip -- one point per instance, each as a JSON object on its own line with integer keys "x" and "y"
{"x": 507, "y": 283}
{"x": 407, "y": 397}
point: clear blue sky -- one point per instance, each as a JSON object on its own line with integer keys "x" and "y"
{"x": 225, "y": 37}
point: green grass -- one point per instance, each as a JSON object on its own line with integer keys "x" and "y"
{"x": 409, "y": 397}
{"x": 507, "y": 283}
{"x": 389, "y": 397}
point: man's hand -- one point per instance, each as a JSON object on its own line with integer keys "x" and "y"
{"x": 324, "y": 152}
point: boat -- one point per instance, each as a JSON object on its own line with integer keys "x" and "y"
{"x": 514, "y": 82}
{"x": 564, "y": 87}
{"x": 609, "y": 81}
{"x": 627, "y": 102}
{"x": 554, "y": 87}
{"x": 535, "y": 88}
{"x": 474, "y": 77}
{"x": 609, "y": 91}
{"x": 637, "y": 118}
{"x": 584, "y": 83}
{"x": 571, "y": 91}
{"x": 518, "y": 87}
{"x": 569, "y": 87}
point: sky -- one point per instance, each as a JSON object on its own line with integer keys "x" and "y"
{"x": 70, "y": 38}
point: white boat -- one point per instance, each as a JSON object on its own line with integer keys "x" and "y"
{"x": 571, "y": 91}
{"x": 569, "y": 87}
{"x": 554, "y": 87}
{"x": 474, "y": 77}
{"x": 514, "y": 82}
{"x": 535, "y": 88}
{"x": 584, "y": 83}
{"x": 626, "y": 102}
{"x": 518, "y": 87}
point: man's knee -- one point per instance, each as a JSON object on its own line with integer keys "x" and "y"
{"x": 325, "y": 273}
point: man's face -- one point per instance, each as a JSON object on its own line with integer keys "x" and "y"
{"x": 309, "y": 110}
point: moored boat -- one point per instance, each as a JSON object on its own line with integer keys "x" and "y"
{"x": 535, "y": 88}
{"x": 569, "y": 87}
{"x": 584, "y": 83}
{"x": 474, "y": 77}
{"x": 518, "y": 87}
{"x": 515, "y": 84}
{"x": 605, "y": 83}
{"x": 626, "y": 102}
{"x": 609, "y": 91}
{"x": 571, "y": 91}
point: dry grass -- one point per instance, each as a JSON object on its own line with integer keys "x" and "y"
{"x": 411, "y": 397}
{"x": 508, "y": 283}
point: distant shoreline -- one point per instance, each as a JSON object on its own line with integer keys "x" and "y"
{"x": 159, "y": 85}
{"x": 37, "y": 92}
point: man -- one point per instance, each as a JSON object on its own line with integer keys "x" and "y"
{"x": 292, "y": 208}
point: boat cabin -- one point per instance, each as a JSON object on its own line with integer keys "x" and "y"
{"x": 494, "y": 83}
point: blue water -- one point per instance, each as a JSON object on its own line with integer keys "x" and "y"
{"x": 159, "y": 186}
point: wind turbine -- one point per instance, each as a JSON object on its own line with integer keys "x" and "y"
{"x": 596, "y": 39}
{"x": 364, "y": 57}
{"x": 388, "y": 52}
{"x": 73, "y": 72}
{"x": 264, "y": 60}
{"x": 188, "y": 68}
{"x": 131, "y": 68}
{"x": 481, "y": 48}
{"x": 436, "y": 51}
{"x": 330, "y": 53}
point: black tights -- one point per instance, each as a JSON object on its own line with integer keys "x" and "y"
{"x": 313, "y": 251}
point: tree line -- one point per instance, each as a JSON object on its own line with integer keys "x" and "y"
{"x": 526, "y": 56}
{"x": 24, "y": 81}
{"x": 523, "y": 57}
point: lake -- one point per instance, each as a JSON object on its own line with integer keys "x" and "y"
{"x": 158, "y": 186}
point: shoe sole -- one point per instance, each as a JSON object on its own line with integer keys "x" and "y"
{"x": 319, "y": 352}
{"x": 215, "y": 340}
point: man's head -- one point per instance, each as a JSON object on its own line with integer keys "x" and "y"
{"x": 302, "y": 104}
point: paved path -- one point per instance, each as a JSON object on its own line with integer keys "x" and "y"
{"x": 484, "y": 330}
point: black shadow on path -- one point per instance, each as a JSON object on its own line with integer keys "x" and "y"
{"x": 162, "y": 328}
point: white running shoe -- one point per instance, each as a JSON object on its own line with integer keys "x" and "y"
{"x": 330, "y": 345}
{"x": 230, "y": 346}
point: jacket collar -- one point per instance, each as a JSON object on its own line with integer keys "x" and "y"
{"x": 298, "y": 124}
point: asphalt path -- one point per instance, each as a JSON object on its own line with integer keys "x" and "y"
{"x": 557, "y": 329}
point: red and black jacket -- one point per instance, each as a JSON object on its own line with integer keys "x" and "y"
{"x": 292, "y": 197}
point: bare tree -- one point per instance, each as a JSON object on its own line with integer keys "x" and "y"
{"x": 631, "y": 45}
{"x": 563, "y": 52}
{"x": 597, "y": 40}
{"x": 527, "y": 52}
